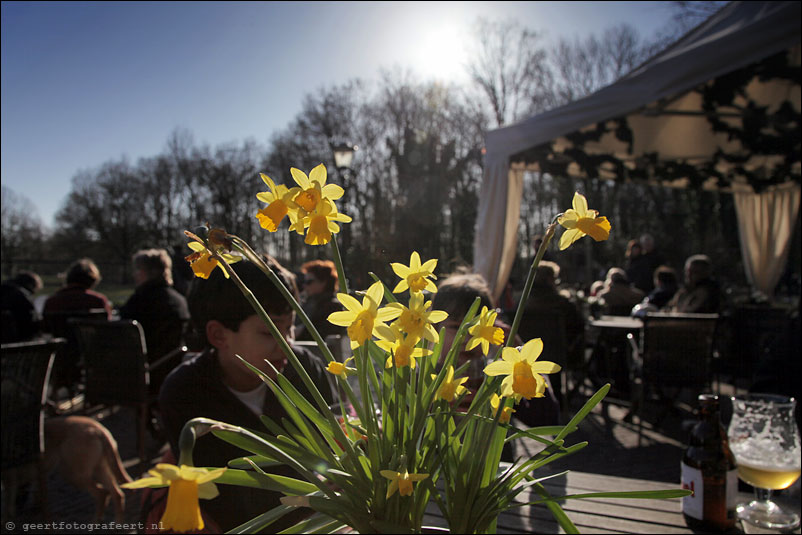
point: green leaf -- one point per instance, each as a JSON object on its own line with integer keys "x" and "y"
{"x": 584, "y": 411}
{"x": 634, "y": 494}
{"x": 261, "y": 461}
{"x": 256, "y": 525}
{"x": 317, "y": 523}
{"x": 274, "y": 482}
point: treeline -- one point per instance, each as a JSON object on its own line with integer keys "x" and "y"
{"x": 414, "y": 181}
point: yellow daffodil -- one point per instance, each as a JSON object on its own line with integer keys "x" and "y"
{"x": 203, "y": 263}
{"x": 322, "y": 223}
{"x": 416, "y": 320}
{"x": 450, "y": 387}
{"x": 580, "y": 221}
{"x": 361, "y": 319}
{"x": 416, "y": 275}
{"x": 279, "y": 203}
{"x": 314, "y": 188}
{"x": 401, "y": 482}
{"x": 401, "y": 348}
{"x": 522, "y": 370}
{"x": 187, "y": 484}
{"x": 485, "y": 332}
{"x": 506, "y": 412}
{"x": 340, "y": 368}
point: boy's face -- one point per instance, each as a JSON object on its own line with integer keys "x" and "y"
{"x": 254, "y": 343}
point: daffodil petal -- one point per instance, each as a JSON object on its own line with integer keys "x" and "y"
{"x": 569, "y": 237}
{"x": 343, "y": 318}
{"x": 580, "y": 203}
{"x": 498, "y": 367}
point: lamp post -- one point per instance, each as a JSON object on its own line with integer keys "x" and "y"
{"x": 343, "y": 155}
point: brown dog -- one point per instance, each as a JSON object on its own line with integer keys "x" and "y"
{"x": 86, "y": 455}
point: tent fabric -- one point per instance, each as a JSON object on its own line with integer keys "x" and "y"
{"x": 661, "y": 108}
{"x": 765, "y": 231}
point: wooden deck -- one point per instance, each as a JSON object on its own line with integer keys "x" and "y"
{"x": 602, "y": 515}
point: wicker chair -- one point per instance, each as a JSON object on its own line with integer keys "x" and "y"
{"x": 675, "y": 352}
{"x": 26, "y": 368}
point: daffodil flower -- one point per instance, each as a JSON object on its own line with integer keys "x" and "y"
{"x": 203, "y": 263}
{"x": 580, "y": 221}
{"x": 314, "y": 188}
{"x": 279, "y": 203}
{"x": 322, "y": 223}
{"x": 485, "y": 332}
{"x": 187, "y": 484}
{"x": 416, "y": 275}
{"x": 361, "y": 319}
{"x": 401, "y": 348}
{"x": 416, "y": 320}
{"x": 401, "y": 482}
{"x": 450, "y": 387}
{"x": 340, "y": 368}
{"x": 522, "y": 370}
{"x": 506, "y": 412}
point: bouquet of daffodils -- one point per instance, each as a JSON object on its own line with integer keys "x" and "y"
{"x": 409, "y": 443}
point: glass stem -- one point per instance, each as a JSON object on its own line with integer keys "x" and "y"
{"x": 763, "y": 495}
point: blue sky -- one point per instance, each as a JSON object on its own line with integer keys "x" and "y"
{"x": 87, "y": 82}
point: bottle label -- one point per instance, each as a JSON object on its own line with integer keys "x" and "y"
{"x": 732, "y": 490}
{"x": 693, "y": 505}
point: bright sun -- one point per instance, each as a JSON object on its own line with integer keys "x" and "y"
{"x": 440, "y": 53}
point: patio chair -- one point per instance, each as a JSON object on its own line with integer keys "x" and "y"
{"x": 26, "y": 368}
{"x": 67, "y": 369}
{"x": 675, "y": 352}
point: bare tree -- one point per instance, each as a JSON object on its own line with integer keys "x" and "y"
{"x": 23, "y": 231}
{"x": 509, "y": 70}
{"x": 582, "y": 66}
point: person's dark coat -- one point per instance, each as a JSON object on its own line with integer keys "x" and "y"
{"x": 195, "y": 389}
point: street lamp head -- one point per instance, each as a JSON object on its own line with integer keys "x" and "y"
{"x": 343, "y": 154}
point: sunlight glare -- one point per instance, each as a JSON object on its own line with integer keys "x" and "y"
{"x": 441, "y": 53}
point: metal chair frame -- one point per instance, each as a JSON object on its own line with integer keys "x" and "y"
{"x": 26, "y": 369}
{"x": 675, "y": 350}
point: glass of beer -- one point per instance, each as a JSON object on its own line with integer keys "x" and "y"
{"x": 764, "y": 438}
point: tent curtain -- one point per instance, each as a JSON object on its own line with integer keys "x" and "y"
{"x": 766, "y": 226}
{"x": 497, "y": 222}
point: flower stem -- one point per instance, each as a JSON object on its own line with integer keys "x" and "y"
{"x": 530, "y": 281}
{"x": 338, "y": 261}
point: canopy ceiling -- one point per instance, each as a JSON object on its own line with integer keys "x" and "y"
{"x": 720, "y": 108}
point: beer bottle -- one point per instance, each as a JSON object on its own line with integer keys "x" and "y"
{"x": 709, "y": 471}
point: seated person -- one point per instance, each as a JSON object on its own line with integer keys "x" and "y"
{"x": 77, "y": 294}
{"x": 665, "y": 286}
{"x": 545, "y": 301}
{"x": 159, "y": 308}
{"x": 216, "y": 384}
{"x": 320, "y": 288}
{"x": 74, "y": 299}
{"x": 21, "y": 320}
{"x": 701, "y": 293}
{"x": 455, "y": 295}
{"x": 619, "y": 295}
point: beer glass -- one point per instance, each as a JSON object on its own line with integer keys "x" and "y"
{"x": 764, "y": 438}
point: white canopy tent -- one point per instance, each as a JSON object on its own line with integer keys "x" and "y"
{"x": 673, "y": 120}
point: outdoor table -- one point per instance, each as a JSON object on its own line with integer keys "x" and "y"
{"x": 611, "y": 352}
{"x": 617, "y": 322}
{"x": 597, "y": 515}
